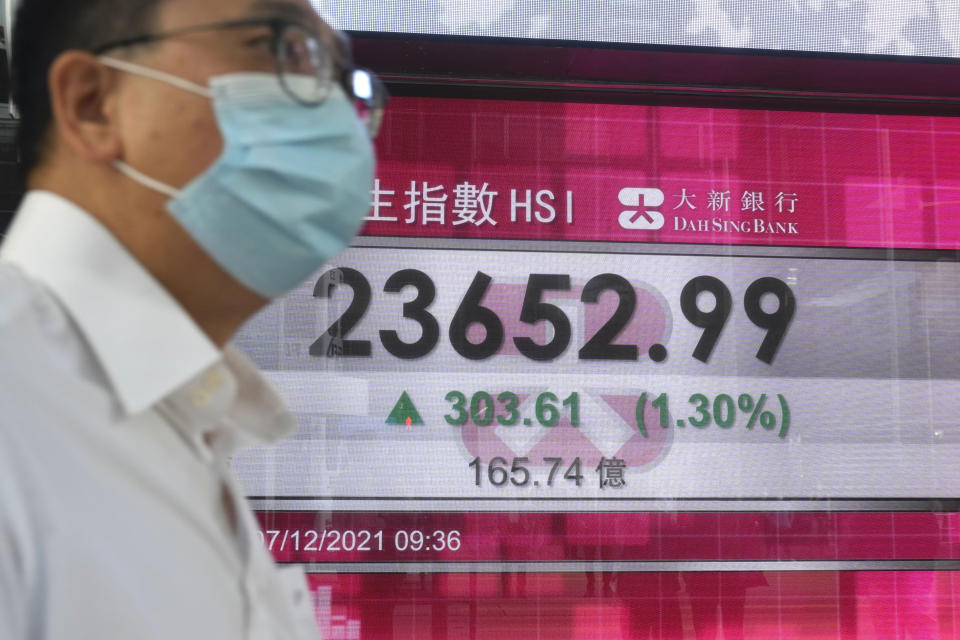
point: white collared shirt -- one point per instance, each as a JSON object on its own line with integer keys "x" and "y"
{"x": 117, "y": 416}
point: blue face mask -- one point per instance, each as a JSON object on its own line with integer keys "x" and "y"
{"x": 290, "y": 190}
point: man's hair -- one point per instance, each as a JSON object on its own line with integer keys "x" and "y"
{"x": 43, "y": 30}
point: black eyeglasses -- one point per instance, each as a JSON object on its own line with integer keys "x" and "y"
{"x": 306, "y": 67}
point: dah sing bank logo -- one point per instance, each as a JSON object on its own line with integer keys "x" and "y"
{"x": 647, "y": 219}
{"x": 751, "y": 212}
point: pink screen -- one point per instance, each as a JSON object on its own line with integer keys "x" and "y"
{"x": 801, "y": 188}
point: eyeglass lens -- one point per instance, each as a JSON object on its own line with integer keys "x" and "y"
{"x": 307, "y": 72}
{"x": 306, "y": 69}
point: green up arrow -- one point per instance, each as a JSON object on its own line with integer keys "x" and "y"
{"x": 404, "y": 412}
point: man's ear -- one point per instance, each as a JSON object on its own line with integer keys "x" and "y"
{"x": 83, "y": 99}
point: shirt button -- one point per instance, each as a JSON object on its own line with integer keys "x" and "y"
{"x": 213, "y": 381}
{"x": 201, "y": 398}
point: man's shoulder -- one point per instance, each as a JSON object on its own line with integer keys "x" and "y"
{"x": 30, "y": 320}
{"x": 35, "y": 373}
{"x": 36, "y": 338}
{"x": 20, "y": 296}
{"x": 18, "y": 313}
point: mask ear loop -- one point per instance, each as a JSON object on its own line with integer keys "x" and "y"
{"x": 160, "y": 76}
{"x": 154, "y": 74}
{"x": 146, "y": 181}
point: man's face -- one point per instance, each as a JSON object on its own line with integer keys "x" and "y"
{"x": 171, "y": 134}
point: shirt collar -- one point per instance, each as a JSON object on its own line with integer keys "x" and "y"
{"x": 228, "y": 407}
{"x": 146, "y": 343}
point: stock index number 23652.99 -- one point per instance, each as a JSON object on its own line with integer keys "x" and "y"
{"x": 602, "y": 345}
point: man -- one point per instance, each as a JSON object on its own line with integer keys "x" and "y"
{"x": 187, "y": 161}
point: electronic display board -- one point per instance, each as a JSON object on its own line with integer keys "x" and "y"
{"x": 891, "y": 27}
{"x": 625, "y": 371}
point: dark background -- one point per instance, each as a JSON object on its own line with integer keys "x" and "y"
{"x": 11, "y": 187}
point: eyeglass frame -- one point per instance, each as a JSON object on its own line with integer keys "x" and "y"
{"x": 345, "y": 72}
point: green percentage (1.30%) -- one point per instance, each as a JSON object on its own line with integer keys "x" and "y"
{"x": 721, "y": 411}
